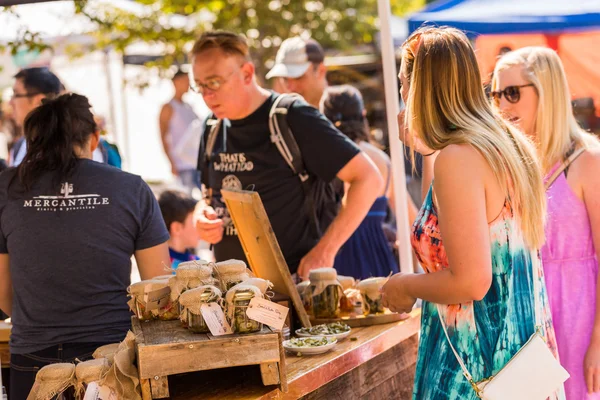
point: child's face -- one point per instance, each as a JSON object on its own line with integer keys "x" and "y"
{"x": 188, "y": 233}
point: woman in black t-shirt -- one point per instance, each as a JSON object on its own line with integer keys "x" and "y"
{"x": 68, "y": 229}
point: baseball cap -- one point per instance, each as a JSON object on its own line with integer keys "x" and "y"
{"x": 295, "y": 56}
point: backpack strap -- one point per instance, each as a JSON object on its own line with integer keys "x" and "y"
{"x": 283, "y": 138}
{"x": 213, "y": 126}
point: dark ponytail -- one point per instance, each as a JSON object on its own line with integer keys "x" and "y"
{"x": 54, "y": 132}
{"x": 343, "y": 105}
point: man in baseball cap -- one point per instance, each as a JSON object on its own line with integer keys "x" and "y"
{"x": 299, "y": 63}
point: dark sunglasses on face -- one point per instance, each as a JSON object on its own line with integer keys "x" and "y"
{"x": 511, "y": 93}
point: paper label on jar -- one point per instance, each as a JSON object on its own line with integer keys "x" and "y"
{"x": 96, "y": 392}
{"x": 215, "y": 319}
{"x": 267, "y": 312}
{"x": 157, "y": 298}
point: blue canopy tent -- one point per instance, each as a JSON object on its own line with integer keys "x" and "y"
{"x": 478, "y": 17}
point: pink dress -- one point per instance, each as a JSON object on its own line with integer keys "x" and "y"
{"x": 571, "y": 269}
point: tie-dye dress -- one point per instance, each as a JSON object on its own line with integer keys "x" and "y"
{"x": 486, "y": 333}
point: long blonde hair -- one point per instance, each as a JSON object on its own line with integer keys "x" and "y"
{"x": 447, "y": 105}
{"x": 556, "y": 129}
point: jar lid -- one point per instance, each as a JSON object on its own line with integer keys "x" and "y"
{"x": 194, "y": 269}
{"x": 142, "y": 287}
{"x": 347, "y": 282}
{"x": 230, "y": 267}
{"x": 242, "y": 295}
{"x": 371, "y": 287}
{"x": 322, "y": 274}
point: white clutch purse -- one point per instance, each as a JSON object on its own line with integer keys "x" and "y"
{"x": 533, "y": 373}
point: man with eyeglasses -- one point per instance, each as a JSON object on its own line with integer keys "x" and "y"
{"x": 243, "y": 157}
{"x": 300, "y": 64}
{"x": 32, "y": 85}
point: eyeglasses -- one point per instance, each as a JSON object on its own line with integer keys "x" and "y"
{"x": 512, "y": 94}
{"x": 213, "y": 84}
{"x": 21, "y": 95}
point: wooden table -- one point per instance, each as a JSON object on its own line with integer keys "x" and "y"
{"x": 378, "y": 364}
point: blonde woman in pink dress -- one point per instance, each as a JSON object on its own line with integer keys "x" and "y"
{"x": 530, "y": 88}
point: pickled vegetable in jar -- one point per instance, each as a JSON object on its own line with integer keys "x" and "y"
{"x": 190, "y": 275}
{"x": 139, "y": 291}
{"x": 370, "y": 290}
{"x": 191, "y": 302}
{"x": 238, "y": 300}
{"x": 325, "y": 292}
{"x": 231, "y": 273}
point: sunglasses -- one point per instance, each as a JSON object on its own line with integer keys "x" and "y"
{"x": 512, "y": 94}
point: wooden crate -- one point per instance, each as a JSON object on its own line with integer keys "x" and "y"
{"x": 166, "y": 348}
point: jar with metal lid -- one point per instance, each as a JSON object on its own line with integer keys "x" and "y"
{"x": 192, "y": 301}
{"x": 325, "y": 292}
{"x": 238, "y": 300}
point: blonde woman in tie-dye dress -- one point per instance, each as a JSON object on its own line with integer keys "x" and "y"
{"x": 481, "y": 223}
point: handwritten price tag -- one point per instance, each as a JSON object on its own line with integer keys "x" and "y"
{"x": 96, "y": 392}
{"x": 157, "y": 299}
{"x": 215, "y": 319}
{"x": 267, "y": 312}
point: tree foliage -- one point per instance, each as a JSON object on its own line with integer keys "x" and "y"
{"x": 173, "y": 25}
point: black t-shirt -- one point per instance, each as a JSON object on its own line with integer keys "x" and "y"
{"x": 245, "y": 158}
{"x": 70, "y": 253}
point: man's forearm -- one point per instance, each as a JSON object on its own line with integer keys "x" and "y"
{"x": 6, "y": 300}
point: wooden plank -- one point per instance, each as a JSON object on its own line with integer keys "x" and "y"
{"x": 160, "y": 387}
{"x": 168, "y": 332}
{"x": 5, "y": 355}
{"x": 344, "y": 387}
{"x": 146, "y": 390}
{"x": 265, "y": 330}
{"x": 282, "y": 365}
{"x": 401, "y": 359}
{"x": 355, "y": 321}
{"x": 5, "y": 329}
{"x": 260, "y": 245}
{"x": 399, "y": 386}
{"x": 269, "y": 373}
{"x": 164, "y": 360}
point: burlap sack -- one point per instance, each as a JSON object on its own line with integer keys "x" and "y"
{"x": 52, "y": 380}
{"x": 122, "y": 377}
{"x": 108, "y": 351}
{"x": 88, "y": 372}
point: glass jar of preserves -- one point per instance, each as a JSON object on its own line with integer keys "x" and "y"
{"x": 303, "y": 289}
{"x": 325, "y": 293}
{"x": 370, "y": 290}
{"x": 138, "y": 304}
{"x": 191, "y": 302}
{"x": 238, "y": 300}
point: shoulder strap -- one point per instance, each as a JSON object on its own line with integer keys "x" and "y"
{"x": 283, "y": 138}
{"x": 206, "y": 148}
{"x": 564, "y": 166}
{"x": 538, "y": 322}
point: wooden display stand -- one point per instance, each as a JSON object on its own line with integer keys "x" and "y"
{"x": 355, "y": 321}
{"x": 260, "y": 245}
{"x": 166, "y": 348}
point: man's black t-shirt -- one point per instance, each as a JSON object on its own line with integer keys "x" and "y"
{"x": 245, "y": 158}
